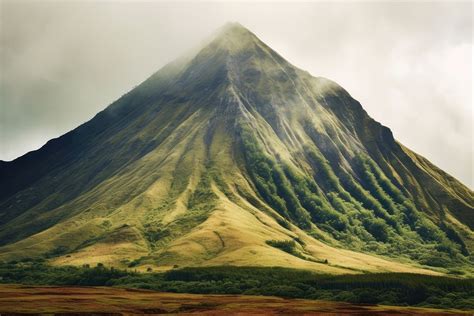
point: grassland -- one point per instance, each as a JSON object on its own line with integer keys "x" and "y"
{"x": 401, "y": 289}
{"x": 118, "y": 301}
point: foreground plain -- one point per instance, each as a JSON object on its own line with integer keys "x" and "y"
{"x": 383, "y": 289}
{"x": 118, "y": 301}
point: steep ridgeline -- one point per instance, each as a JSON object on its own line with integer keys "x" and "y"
{"x": 234, "y": 156}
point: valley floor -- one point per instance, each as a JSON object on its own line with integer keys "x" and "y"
{"x": 15, "y": 299}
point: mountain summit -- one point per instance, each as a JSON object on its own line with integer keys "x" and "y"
{"x": 233, "y": 156}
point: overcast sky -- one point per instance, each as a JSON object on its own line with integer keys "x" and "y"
{"x": 409, "y": 64}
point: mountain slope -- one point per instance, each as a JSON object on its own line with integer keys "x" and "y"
{"x": 234, "y": 156}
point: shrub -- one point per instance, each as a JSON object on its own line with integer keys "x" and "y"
{"x": 288, "y": 246}
{"x": 377, "y": 228}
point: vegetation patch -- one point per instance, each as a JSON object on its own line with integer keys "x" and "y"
{"x": 363, "y": 210}
{"x": 203, "y": 198}
{"x": 288, "y": 246}
{"x": 271, "y": 182}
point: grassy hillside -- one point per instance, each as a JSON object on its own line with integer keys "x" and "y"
{"x": 234, "y": 156}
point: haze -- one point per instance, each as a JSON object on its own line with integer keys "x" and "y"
{"x": 409, "y": 64}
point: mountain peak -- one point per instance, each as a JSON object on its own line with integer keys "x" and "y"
{"x": 232, "y": 28}
{"x": 233, "y": 36}
{"x": 234, "y": 25}
{"x": 219, "y": 158}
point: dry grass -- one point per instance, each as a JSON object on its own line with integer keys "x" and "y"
{"x": 116, "y": 301}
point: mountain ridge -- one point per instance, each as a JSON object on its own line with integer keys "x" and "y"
{"x": 169, "y": 173}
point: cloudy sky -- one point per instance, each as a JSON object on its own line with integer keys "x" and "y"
{"x": 409, "y": 64}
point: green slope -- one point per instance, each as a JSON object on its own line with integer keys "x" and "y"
{"x": 220, "y": 157}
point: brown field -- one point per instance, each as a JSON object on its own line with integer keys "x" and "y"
{"x": 15, "y": 299}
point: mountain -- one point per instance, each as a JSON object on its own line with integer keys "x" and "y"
{"x": 233, "y": 156}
